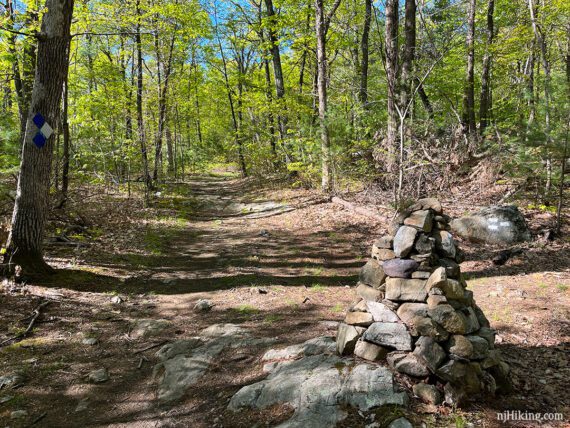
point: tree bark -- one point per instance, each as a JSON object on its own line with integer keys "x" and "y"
{"x": 25, "y": 244}
{"x": 539, "y": 36}
{"x": 162, "y": 108}
{"x": 485, "y": 100}
{"x": 140, "y": 119}
{"x": 391, "y": 55}
{"x": 277, "y": 69}
{"x": 326, "y": 182}
{"x": 408, "y": 54}
{"x": 66, "y": 136}
{"x": 364, "y": 52}
{"x": 469, "y": 125}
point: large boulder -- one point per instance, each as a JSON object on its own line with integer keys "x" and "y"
{"x": 493, "y": 225}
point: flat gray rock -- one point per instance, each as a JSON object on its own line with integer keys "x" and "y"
{"x": 381, "y": 313}
{"x": 318, "y": 387}
{"x": 393, "y": 335}
{"x": 400, "y": 268}
{"x": 404, "y": 240}
{"x": 148, "y": 327}
{"x": 99, "y": 376}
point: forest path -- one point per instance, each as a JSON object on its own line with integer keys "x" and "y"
{"x": 278, "y": 263}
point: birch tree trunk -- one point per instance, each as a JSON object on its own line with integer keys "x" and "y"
{"x": 25, "y": 243}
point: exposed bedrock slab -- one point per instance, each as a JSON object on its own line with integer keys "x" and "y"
{"x": 184, "y": 362}
{"x": 318, "y": 387}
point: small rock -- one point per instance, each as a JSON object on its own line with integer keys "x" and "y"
{"x": 393, "y": 335}
{"x": 420, "y": 274}
{"x": 461, "y": 346}
{"x": 363, "y": 319}
{"x": 452, "y": 289}
{"x": 451, "y": 267}
{"x": 471, "y": 320}
{"x": 203, "y": 305}
{"x": 384, "y": 242}
{"x": 82, "y": 405}
{"x": 149, "y": 327}
{"x": 359, "y": 306}
{"x": 404, "y": 241}
{"x": 400, "y": 423}
{"x": 368, "y": 293}
{"x": 90, "y": 341}
{"x": 430, "y": 353}
{"x": 433, "y": 300}
{"x": 381, "y": 313}
{"x": 427, "y": 393}
{"x": 450, "y": 319}
{"x": 427, "y": 204}
{"x": 424, "y": 244}
{"x": 99, "y": 376}
{"x": 346, "y": 338}
{"x": 369, "y": 351}
{"x": 400, "y": 268}
{"x": 117, "y": 300}
{"x": 372, "y": 274}
{"x": 444, "y": 243}
{"x": 480, "y": 347}
{"x": 412, "y": 365}
{"x": 400, "y": 289}
{"x": 18, "y": 414}
{"x": 382, "y": 254}
{"x": 408, "y": 311}
{"x": 421, "y": 220}
{"x": 437, "y": 278}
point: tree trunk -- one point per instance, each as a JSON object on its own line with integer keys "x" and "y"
{"x": 391, "y": 55}
{"x": 469, "y": 126}
{"x": 140, "y": 120}
{"x": 277, "y": 68}
{"x": 25, "y": 244}
{"x": 364, "y": 44}
{"x": 326, "y": 182}
{"x": 485, "y": 103}
{"x": 539, "y": 36}
{"x": 408, "y": 54}
{"x": 162, "y": 99}
{"x": 66, "y": 136}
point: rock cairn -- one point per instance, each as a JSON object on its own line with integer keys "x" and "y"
{"x": 413, "y": 310}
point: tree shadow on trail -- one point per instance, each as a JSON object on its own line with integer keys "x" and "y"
{"x": 85, "y": 281}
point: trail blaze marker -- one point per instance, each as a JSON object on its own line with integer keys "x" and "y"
{"x": 44, "y": 132}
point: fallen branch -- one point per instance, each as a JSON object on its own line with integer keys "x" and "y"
{"x": 359, "y": 210}
{"x": 35, "y": 314}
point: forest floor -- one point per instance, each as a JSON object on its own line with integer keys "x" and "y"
{"x": 276, "y": 261}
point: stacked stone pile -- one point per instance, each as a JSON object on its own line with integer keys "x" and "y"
{"x": 413, "y": 310}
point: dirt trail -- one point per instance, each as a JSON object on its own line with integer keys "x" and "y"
{"x": 279, "y": 263}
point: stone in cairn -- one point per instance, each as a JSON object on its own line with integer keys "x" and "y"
{"x": 414, "y": 311}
